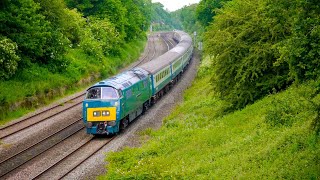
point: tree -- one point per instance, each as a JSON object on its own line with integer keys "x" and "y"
{"x": 187, "y": 16}
{"x": 206, "y": 10}
{"x": 22, "y": 22}
{"x": 66, "y": 21}
{"x": 114, "y": 10}
{"x": 259, "y": 47}
{"x": 162, "y": 20}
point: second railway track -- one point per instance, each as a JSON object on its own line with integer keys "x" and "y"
{"x": 32, "y": 120}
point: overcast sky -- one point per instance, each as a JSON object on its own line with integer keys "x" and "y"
{"x": 173, "y": 5}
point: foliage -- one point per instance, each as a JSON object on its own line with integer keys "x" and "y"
{"x": 259, "y": 47}
{"x": 138, "y": 18}
{"x": 206, "y": 10}
{"x": 162, "y": 19}
{"x": 8, "y": 58}
{"x": 197, "y": 141}
{"x": 130, "y": 18}
{"x": 69, "y": 22}
{"x": 100, "y": 38}
{"x": 187, "y": 18}
{"x": 37, "y": 37}
{"x": 190, "y": 24}
{"x": 300, "y": 50}
{"x": 22, "y": 22}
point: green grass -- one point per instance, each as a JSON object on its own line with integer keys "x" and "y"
{"x": 275, "y": 138}
{"x": 36, "y": 85}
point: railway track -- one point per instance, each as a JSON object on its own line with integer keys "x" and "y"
{"x": 20, "y": 158}
{"x": 168, "y": 41}
{"x": 164, "y": 40}
{"x": 31, "y": 121}
{"x": 87, "y": 144}
{"x": 12, "y": 164}
{"x": 149, "y": 49}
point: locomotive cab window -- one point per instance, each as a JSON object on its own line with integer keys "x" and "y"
{"x": 109, "y": 93}
{"x": 102, "y": 93}
{"x": 94, "y": 93}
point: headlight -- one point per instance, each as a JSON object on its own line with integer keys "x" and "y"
{"x": 111, "y": 123}
{"x": 96, "y": 113}
{"x": 105, "y": 113}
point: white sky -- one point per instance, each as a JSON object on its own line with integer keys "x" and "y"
{"x": 173, "y": 5}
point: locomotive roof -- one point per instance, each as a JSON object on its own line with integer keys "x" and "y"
{"x": 125, "y": 79}
{"x": 164, "y": 60}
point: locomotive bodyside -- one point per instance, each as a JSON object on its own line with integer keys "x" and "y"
{"x": 111, "y": 104}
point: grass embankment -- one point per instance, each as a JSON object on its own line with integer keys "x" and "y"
{"x": 273, "y": 138}
{"x": 36, "y": 85}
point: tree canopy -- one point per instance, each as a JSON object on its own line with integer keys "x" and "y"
{"x": 206, "y": 10}
{"x": 42, "y": 31}
{"x": 259, "y": 47}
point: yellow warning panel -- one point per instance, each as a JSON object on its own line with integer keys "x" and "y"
{"x": 101, "y": 114}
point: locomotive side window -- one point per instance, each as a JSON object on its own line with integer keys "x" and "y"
{"x": 94, "y": 93}
{"x": 129, "y": 93}
{"x": 145, "y": 83}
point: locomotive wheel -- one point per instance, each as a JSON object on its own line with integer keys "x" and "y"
{"x": 124, "y": 123}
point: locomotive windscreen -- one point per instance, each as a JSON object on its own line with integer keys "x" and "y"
{"x": 102, "y": 93}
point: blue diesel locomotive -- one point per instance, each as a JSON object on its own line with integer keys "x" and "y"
{"x": 112, "y": 104}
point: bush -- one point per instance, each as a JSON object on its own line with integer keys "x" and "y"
{"x": 8, "y": 58}
{"x": 261, "y": 46}
{"x": 281, "y": 113}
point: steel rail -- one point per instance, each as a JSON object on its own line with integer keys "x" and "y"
{"x": 32, "y": 124}
{"x": 165, "y": 41}
{"x": 70, "y": 154}
{"x": 81, "y": 162}
{"x": 42, "y": 112}
{"x": 147, "y": 54}
{"x": 47, "y": 148}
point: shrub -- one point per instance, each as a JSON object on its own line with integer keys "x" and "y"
{"x": 259, "y": 46}
{"x": 280, "y": 113}
{"x": 8, "y": 58}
